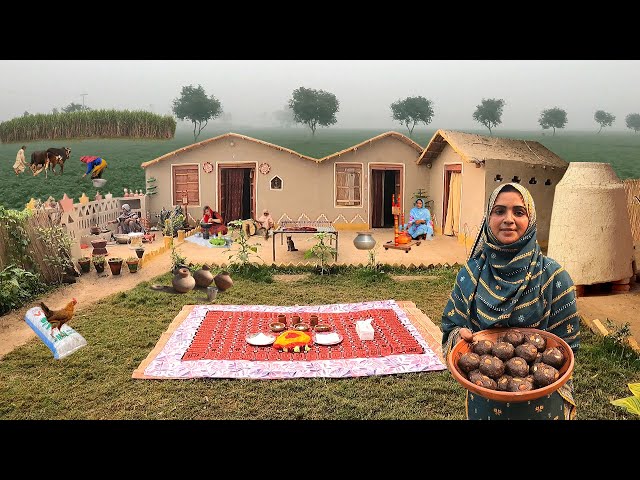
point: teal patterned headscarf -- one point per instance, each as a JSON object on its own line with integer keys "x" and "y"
{"x": 511, "y": 285}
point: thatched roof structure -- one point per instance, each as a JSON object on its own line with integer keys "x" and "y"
{"x": 476, "y": 148}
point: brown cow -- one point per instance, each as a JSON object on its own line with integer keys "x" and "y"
{"x": 57, "y": 156}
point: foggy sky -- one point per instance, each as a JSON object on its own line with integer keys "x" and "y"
{"x": 251, "y": 90}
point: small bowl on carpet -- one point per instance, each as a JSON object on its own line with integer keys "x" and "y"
{"x": 322, "y": 327}
{"x": 302, "y": 327}
{"x": 277, "y": 327}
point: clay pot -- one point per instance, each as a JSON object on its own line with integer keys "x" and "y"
{"x": 364, "y": 241}
{"x": 139, "y": 252}
{"x": 95, "y": 230}
{"x": 85, "y": 265}
{"x": 223, "y": 281}
{"x": 203, "y": 277}
{"x": 182, "y": 281}
{"x": 115, "y": 266}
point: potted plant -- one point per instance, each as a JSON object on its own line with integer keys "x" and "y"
{"x": 115, "y": 264}
{"x": 132, "y": 263}
{"x": 98, "y": 263}
{"x": 85, "y": 264}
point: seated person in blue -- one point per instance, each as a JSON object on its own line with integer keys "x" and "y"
{"x": 420, "y": 225}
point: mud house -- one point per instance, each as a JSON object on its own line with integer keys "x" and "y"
{"x": 465, "y": 168}
{"x": 239, "y": 176}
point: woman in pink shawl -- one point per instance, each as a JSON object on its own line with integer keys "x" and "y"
{"x": 95, "y": 166}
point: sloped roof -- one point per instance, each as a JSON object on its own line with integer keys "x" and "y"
{"x": 477, "y": 148}
{"x": 222, "y": 137}
{"x": 396, "y": 135}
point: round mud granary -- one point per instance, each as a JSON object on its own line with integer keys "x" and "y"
{"x": 590, "y": 231}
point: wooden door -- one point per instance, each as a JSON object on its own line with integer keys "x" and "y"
{"x": 448, "y": 170}
{"x": 237, "y": 191}
{"x": 385, "y": 182}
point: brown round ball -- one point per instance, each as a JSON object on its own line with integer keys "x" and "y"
{"x": 545, "y": 375}
{"x": 469, "y": 361}
{"x": 514, "y": 336}
{"x": 474, "y": 376}
{"x": 484, "y": 381}
{"x": 491, "y": 366}
{"x": 503, "y": 350}
{"x": 503, "y": 382}
{"x": 528, "y": 351}
{"x": 554, "y": 357}
{"x": 517, "y": 367}
{"x": 518, "y": 384}
{"x": 537, "y": 340}
{"x": 482, "y": 347}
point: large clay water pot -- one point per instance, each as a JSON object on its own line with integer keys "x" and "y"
{"x": 183, "y": 281}
{"x": 364, "y": 241}
{"x": 404, "y": 238}
{"x": 223, "y": 281}
{"x": 203, "y": 277}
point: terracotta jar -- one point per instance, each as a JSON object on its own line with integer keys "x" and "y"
{"x": 183, "y": 281}
{"x": 203, "y": 277}
{"x": 223, "y": 281}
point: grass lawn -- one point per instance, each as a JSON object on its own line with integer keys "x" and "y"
{"x": 95, "y": 382}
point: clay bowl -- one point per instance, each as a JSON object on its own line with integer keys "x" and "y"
{"x": 277, "y": 327}
{"x": 323, "y": 327}
{"x": 121, "y": 237}
{"x": 302, "y": 327}
{"x": 494, "y": 334}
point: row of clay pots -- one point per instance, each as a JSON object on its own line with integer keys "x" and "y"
{"x": 184, "y": 282}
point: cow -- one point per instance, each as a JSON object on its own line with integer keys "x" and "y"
{"x": 39, "y": 162}
{"x": 57, "y": 156}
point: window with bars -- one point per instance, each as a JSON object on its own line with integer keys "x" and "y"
{"x": 186, "y": 182}
{"x": 348, "y": 184}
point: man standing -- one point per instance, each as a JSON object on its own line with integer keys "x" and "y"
{"x": 19, "y": 166}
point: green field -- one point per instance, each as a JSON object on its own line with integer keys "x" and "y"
{"x": 620, "y": 149}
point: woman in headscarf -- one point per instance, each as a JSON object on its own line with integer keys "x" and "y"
{"x": 95, "y": 166}
{"x": 213, "y": 218}
{"x": 419, "y": 224}
{"x": 508, "y": 282}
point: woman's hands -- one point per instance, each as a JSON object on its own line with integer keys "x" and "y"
{"x": 466, "y": 335}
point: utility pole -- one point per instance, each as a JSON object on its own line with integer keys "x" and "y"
{"x": 83, "y": 95}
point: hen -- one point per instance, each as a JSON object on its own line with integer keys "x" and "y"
{"x": 57, "y": 318}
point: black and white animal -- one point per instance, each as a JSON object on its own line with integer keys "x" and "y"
{"x": 57, "y": 156}
{"x": 291, "y": 247}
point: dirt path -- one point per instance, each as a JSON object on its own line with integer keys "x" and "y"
{"x": 88, "y": 289}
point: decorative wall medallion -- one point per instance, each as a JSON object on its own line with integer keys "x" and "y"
{"x": 207, "y": 167}
{"x": 264, "y": 168}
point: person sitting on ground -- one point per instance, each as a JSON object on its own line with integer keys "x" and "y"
{"x": 266, "y": 223}
{"x": 19, "y": 165}
{"x": 507, "y": 282}
{"x": 128, "y": 221}
{"x": 215, "y": 219}
{"x": 95, "y": 166}
{"x": 420, "y": 225}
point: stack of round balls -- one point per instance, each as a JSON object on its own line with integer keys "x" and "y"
{"x": 516, "y": 362}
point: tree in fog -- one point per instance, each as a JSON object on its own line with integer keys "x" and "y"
{"x": 74, "y": 107}
{"x": 54, "y": 111}
{"x": 633, "y": 121}
{"x": 553, "y": 118}
{"x": 284, "y": 117}
{"x": 605, "y": 119}
{"x": 411, "y": 111}
{"x": 314, "y": 107}
{"x": 489, "y": 112}
{"x": 194, "y": 105}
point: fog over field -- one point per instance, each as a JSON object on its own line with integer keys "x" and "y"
{"x": 250, "y": 91}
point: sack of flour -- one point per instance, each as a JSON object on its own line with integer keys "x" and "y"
{"x": 62, "y": 343}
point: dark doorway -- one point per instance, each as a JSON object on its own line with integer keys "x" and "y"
{"x": 385, "y": 182}
{"x": 236, "y": 192}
